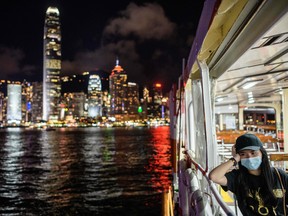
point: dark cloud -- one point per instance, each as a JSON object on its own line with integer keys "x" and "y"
{"x": 10, "y": 61}
{"x": 145, "y": 22}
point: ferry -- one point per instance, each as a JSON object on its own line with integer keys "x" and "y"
{"x": 235, "y": 76}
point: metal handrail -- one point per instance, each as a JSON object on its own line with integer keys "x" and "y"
{"x": 215, "y": 192}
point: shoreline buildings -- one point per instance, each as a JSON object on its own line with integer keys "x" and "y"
{"x": 51, "y": 65}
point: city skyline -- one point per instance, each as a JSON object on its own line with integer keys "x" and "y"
{"x": 95, "y": 43}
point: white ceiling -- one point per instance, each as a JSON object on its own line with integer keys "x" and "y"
{"x": 265, "y": 62}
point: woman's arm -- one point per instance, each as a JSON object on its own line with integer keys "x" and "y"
{"x": 217, "y": 175}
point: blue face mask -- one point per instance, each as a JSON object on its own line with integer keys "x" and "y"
{"x": 251, "y": 163}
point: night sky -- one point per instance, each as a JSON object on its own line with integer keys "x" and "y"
{"x": 150, "y": 37}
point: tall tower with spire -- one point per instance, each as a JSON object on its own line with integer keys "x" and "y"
{"x": 118, "y": 91}
{"x": 51, "y": 65}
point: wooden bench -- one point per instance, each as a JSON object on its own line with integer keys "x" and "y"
{"x": 278, "y": 159}
{"x": 231, "y": 136}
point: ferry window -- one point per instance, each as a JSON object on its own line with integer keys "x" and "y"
{"x": 271, "y": 119}
{"x": 260, "y": 119}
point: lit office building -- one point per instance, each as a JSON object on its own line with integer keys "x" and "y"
{"x": 154, "y": 106}
{"x": 159, "y": 103}
{"x": 75, "y": 104}
{"x": 37, "y": 102}
{"x": 106, "y": 103}
{"x": 27, "y": 93}
{"x": 118, "y": 92}
{"x": 146, "y": 96}
{"x": 145, "y": 102}
{"x": 94, "y": 96}
{"x": 157, "y": 94}
{"x": 14, "y": 114}
{"x": 133, "y": 100}
{"x": 51, "y": 65}
{"x": 79, "y": 104}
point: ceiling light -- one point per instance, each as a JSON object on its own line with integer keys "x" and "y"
{"x": 250, "y": 95}
{"x": 251, "y": 100}
{"x": 249, "y": 84}
{"x": 220, "y": 98}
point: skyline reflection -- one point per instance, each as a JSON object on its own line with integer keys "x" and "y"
{"x": 82, "y": 171}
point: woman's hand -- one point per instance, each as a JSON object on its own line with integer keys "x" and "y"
{"x": 234, "y": 154}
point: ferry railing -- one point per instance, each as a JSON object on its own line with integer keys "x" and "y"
{"x": 212, "y": 186}
{"x": 191, "y": 199}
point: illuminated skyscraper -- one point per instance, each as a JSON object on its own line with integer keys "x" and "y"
{"x": 133, "y": 100}
{"x": 37, "y": 105}
{"x": 14, "y": 114}
{"x": 154, "y": 106}
{"x": 94, "y": 96}
{"x": 118, "y": 91}
{"x": 157, "y": 94}
{"x": 51, "y": 65}
{"x": 75, "y": 104}
{"x": 27, "y": 94}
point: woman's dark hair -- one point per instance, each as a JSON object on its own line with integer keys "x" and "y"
{"x": 244, "y": 185}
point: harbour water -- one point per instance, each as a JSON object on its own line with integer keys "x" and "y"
{"x": 84, "y": 171}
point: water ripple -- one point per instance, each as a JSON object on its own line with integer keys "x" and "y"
{"x": 114, "y": 171}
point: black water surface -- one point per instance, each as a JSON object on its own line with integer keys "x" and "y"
{"x": 84, "y": 171}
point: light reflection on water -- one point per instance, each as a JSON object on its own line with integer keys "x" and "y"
{"x": 114, "y": 171}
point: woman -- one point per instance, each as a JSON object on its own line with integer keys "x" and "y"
{"x": 255, "y": 183}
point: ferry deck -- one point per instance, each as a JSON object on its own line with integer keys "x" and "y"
{"x": 235, "y": 80}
